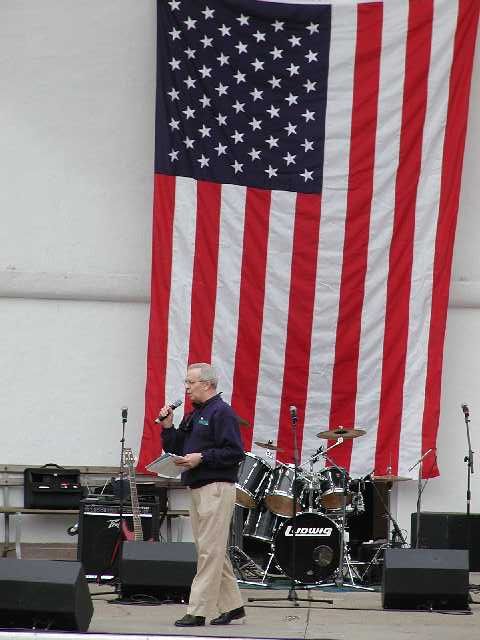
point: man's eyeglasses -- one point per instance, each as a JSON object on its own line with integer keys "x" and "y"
{"x": 190, "y": 382}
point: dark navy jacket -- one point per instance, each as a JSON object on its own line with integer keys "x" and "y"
{"x": 211, "y": 429}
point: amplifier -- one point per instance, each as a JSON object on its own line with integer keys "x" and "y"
{"x": 52, "y": 487}
{"x": 99, "y": 535}
{"x": 95, "y": 508}
{"x": 445, "y": 530}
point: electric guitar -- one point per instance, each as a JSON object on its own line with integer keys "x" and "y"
{"x": 125, "y": 533}
{"x": 137, "y": 533}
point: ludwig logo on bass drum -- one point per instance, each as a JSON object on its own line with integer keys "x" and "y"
{"x": 309, "y": 531}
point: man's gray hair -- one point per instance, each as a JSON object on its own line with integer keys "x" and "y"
{"x": 207, "y": 372}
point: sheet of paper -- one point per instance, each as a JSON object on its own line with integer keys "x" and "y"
{"x": 164, "y": 466}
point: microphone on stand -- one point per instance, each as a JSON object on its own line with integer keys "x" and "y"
{"x": 172, "y": 406}
{"x": 465, "y": 410}
{"x": 293, "y": 414}
{"x": 124, "y": 414}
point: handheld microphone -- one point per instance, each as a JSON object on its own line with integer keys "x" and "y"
{"x": 293, "y": 413}
{"x": 172, "y": 406}
{"x": 124, "y": 414}
{"x": 465, "y": 410}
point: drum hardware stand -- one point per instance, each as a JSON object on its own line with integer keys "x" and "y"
{"x": 242, "y": 564}
{"x": 292, "y": 593}
{"x": 314, "y": 483}
{"x": 469, "y": 457}
{"x": 395, "y": 532}
{"x": 344, "y": 558}
{"x": 397, "y": 539}
{"x": 419, "y": 494}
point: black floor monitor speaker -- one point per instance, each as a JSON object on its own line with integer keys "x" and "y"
{"x": 163, "y": 569}
{"x": 98, "y": 533}
{"x": 444, "y": 530}
{"x": 45, "y": 594}
{"x": 425, "y": 579}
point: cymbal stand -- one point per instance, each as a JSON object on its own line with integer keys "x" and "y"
{"x": 292, "y": 594}
{"x": 344, "y": 558}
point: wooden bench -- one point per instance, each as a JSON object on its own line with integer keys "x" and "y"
{"x": 18, "y": 512}
{"x": 12, "y": 476}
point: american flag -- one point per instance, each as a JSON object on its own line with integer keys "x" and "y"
{"x": 307, "y": 176}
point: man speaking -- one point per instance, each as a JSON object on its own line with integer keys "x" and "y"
{"x": 209, "y": 443}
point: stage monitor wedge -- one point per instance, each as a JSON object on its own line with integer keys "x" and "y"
{"x": 425, "y": 579}
{"x": 158, "y": 568}
{"x": 49, "y": 594}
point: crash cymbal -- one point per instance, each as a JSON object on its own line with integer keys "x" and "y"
{"x": 341, "y": 432}
{"x": 269, "y": 445}
{"x": 388, "y": 477}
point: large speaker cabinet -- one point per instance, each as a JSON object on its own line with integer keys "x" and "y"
{"x": 98, "y": 533}
{"x": 159, "y": 568}
{"x": 443, "y": 530}
{"x": 44, "y": 594}
{"x": 425, "y": 579}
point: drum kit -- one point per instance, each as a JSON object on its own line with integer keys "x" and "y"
{"x": 284, "y": 501}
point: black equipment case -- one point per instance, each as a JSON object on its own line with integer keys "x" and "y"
{"x": 52, "y": 487}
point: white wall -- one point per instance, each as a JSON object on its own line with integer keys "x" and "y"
{"x": 76, "y": 157}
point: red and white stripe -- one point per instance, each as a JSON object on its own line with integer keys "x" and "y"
{"x": 335, "y": 303}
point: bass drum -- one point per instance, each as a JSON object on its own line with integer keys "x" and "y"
{"x": 317, "y": 548}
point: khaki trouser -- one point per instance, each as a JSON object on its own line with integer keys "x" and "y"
{"x": 214, "y": 587}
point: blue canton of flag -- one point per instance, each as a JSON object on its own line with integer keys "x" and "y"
{"x": 241, "y": 93}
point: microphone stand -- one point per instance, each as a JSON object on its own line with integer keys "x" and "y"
{"x": 468, "y": 458}
{"x": 121, "y": 482}
{"x": 419, "y": 463}
{"x": 292, "y": 593}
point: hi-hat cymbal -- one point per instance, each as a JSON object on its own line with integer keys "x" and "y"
{"x": 341, "y": 432}
{"x": 389, "y": 477}
{"x": 269, "y": 445}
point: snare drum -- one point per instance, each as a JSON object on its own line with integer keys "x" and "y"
{"x": 253, "y": 476}
{"x": 331, "y": 485}
{"x": 279, "y": 493}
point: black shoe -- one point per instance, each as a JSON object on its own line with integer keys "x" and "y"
{"x": 190, "y": 621}
{"x": 226, "y": 618}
